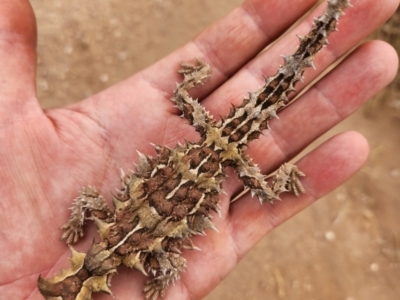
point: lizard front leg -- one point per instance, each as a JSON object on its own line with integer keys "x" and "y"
{"x": 194, "y": 75}
{"x": 88, "y": 205}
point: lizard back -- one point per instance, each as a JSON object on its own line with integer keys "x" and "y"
{"x": 170, "y": 198}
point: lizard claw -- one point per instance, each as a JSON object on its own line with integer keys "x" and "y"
{"x": 72, "y": 233}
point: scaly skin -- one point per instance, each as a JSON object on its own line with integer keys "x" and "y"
{"x": 169, "y": 198}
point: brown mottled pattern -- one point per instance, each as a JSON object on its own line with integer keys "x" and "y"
{"x": 170, "y": 197}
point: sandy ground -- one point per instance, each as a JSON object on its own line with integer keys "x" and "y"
{"x": 345, "y": 247}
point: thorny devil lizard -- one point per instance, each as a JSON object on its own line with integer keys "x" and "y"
{"x": 170, "y": 197}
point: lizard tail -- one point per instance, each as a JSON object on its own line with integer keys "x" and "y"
{"x": 73, "y": 283}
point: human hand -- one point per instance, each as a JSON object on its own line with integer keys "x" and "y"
{"x": 46, "y": 156}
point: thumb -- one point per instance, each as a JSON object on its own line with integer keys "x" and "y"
{"x": 17, "y": 60}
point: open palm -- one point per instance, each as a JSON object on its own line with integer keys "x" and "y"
{"x": 47, "y": 156}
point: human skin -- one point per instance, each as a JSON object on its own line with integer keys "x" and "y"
{"x": 47, "y": 155}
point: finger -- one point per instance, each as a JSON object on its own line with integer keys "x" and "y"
{"x": 326, "y": 167}
{"x": 352, "y": 29}
{"x": 17, "y": 59}
{"x": 227, "y": 44}
{"x": 367, "y": 70}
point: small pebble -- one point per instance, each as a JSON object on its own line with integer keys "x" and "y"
{"x": 68, "y": 49}
{"x": 103, "y": 77}
{"x": 122, "y": 55}
{"x": 330, "y": 236}
{"x": 374, "y": 267}
{"x": 340, "y": 196}
{"x": 43, "y": 84}
{"x": 395, "y": 173}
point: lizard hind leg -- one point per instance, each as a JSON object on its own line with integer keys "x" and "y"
{"x": 286, "y": 179}
{"x": 166, "y": 268}
{"x": 88, "y": 205}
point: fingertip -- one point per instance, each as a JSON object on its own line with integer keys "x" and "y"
{"x": 386, "y": 59}
{"x": 17, "y": 60}
{"x": 352, "y": 150}
{"x": 334, "y": 162}
{"x": 17, "y": 22}
{"x": 359, "y": 143}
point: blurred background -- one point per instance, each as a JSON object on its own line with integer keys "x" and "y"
{"x": 345, "y": 247}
